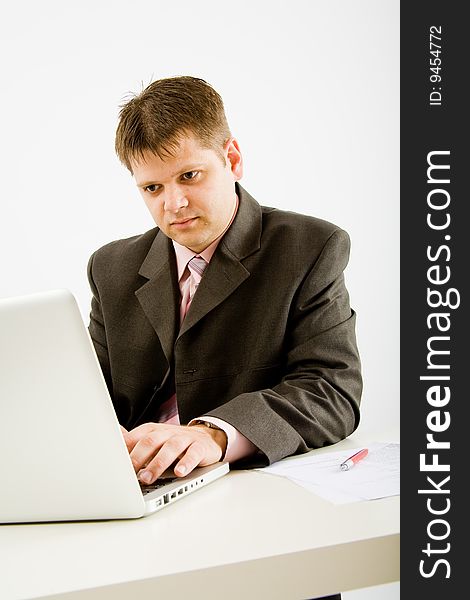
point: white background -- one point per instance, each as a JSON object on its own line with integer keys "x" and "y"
{"x": 311, "y": 91}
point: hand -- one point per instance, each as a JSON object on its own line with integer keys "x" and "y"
{"x": 153, "y": 447}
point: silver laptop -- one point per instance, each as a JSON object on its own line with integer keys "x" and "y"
{"x": 62, "y": 455}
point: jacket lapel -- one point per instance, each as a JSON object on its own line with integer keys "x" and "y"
{"x": 160, "y": 296}
{"x": 225, "y": 273}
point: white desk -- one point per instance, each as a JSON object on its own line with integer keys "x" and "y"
{"x": 248, "y": 535}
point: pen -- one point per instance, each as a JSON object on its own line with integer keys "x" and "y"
{"x": 352, "y": 460}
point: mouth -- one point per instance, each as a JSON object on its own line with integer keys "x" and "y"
{"x": 183, "y": 222}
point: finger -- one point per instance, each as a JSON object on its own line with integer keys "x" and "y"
{"x": 125, "y": 435}
{"x": 128, "y": 441}
{"x": 147, "y": 447}
{"x": 165, "y": 457}
{"x": 191, "y": 459}
{"x": 133, "y": 437}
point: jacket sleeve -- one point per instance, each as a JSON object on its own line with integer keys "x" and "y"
{"x": 97, "y": 329}
{"x": 316, "y": 401}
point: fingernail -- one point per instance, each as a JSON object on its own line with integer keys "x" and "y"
{"x": 182, "y": 470}
{"x": 145, "y": 476}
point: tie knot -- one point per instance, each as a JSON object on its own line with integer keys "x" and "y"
{"x": 197, "y": 264}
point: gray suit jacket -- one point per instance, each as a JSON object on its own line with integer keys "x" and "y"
{"x": 268, "y": 344}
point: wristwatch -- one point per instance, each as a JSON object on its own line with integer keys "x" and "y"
{"x": 206, "y": 423}
{"x": 211, "y": 426}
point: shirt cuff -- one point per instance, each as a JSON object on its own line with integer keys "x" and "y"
{"x": 238, "y": 446}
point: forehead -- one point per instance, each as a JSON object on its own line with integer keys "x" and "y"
{"x": 187, "y": 154}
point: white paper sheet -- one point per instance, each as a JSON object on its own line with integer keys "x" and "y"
{"x": 375, "y": 476}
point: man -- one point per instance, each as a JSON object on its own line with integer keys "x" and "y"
{"x": 247, "y": 354}
{"x": 225, "y": 333}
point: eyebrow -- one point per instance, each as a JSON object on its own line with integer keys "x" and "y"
{"x": 185, "y": 169}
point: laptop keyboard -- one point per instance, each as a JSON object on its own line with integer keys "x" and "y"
{"x": 146, "y": 489}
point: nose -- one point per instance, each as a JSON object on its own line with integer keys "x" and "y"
{"x": 174, "y": 199}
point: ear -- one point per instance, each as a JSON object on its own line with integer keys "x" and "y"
{"x": 234, "y": 158}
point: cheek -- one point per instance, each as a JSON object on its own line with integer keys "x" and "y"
{"x": 154, "y": 208}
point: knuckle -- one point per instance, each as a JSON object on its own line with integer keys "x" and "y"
{"x": 153, "y": 468}
{"x": 157, "y": 466}
{"x": 148, "y": 441}
{"x": 176, "y": 444}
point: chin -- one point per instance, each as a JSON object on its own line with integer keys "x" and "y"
{"x": 189, "y": 242}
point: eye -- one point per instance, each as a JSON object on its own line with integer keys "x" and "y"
{"x": 189, "y": 175}
{"x": 152, "y": 188}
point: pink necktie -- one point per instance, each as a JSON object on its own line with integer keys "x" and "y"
{"x": 168, "y": 411}
{"x": 196, "y": 268}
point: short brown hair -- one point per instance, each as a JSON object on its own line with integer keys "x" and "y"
{"x": 163, "y": 112}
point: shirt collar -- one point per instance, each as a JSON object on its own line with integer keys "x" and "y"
{"x": 184, "y": 255}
